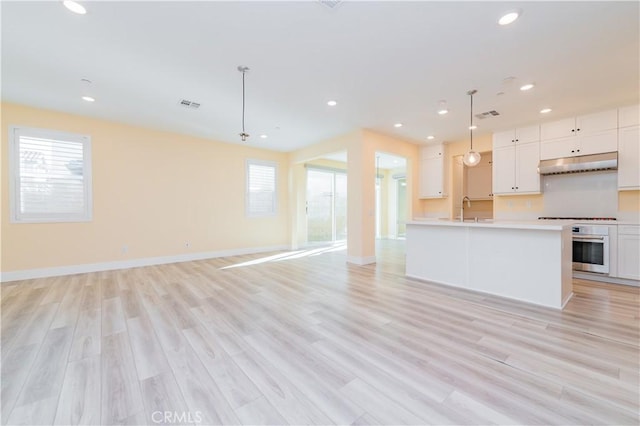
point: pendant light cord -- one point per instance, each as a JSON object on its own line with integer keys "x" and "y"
{"x": 243, "y": 70}
{"x": 471, "y": 121}
{"x": 243, "y": 73}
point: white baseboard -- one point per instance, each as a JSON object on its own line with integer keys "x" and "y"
{"x": 357, "y": 260}
{"x": 564, "y": 302}
{"x": 27, "y": 274}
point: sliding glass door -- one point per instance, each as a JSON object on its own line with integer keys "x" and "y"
{"x": 326, "y": 205}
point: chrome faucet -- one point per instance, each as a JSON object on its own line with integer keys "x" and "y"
{"x": 462, "y": 207}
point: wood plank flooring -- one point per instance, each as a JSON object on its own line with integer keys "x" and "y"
{"x": 305, "y": 338}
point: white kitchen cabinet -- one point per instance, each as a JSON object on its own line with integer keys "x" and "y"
{"x": 433, "y": 171}
{"x": 477, "y": 179}
{"x": 589, "y": 123}
{"x": 629, "y": 252}
{"x": 629, "y": 116}
{"x": 519, "y": 135}
{"x": 629, "y": 158}
{"x": 583, "y": 135}
{"x": 515, "y": 167}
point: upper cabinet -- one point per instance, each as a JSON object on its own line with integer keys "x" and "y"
{"x": 433, "y": 171}
{"x": 515, "y": 164}
{"x": 520, "y": 135}
{"x": 583, "y": 135}
{"x": 629, "y": 148}
{"x": 629, "y": 116}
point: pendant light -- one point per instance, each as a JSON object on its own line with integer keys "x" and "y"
{"x": 471, "y": 158}
{"x": 244, "y": 135}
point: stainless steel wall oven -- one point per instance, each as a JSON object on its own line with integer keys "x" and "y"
{"x": 591, "y": 248}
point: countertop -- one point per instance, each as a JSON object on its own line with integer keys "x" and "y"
{"x": 555, "y": 225}
{"x": 519, "y": 224}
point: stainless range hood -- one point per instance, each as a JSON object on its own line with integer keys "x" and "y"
{"x": 580, "y": 164}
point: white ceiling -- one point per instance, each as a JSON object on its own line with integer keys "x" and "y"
{"x": 384, "y": 62}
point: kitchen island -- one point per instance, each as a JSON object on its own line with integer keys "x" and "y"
{"x": 527, "y": 261}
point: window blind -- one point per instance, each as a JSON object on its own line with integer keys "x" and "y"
{"x": 261, "y": 188}
{"x": 51, "y": 176}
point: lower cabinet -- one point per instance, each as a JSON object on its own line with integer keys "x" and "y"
{"x": 629, "y": 251}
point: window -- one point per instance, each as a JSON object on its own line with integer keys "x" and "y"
{"x": 261, "y": 188}
{"x": 50, "y": 176}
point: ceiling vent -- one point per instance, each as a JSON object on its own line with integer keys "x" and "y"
{"x": 188, "y": 104}
{"x": 487, "y": 114}
{"x": 331, "y": 4}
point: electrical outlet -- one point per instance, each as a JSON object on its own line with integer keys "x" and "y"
{"x": 528, "y": 204}
{"x": 187, "y": 244}
{"x": 510, "y": 204}
{"x": 125, "y": 249}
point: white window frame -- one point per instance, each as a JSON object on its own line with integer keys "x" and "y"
{"x": 14, "y": 176}
{"x": 248, "y": 211}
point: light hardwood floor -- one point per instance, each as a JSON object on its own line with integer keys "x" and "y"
{"x": 305, "y": 338}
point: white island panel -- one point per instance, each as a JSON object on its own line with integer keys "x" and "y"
{"x": 526, "y": 263}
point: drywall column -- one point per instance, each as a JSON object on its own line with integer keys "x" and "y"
{"x": 361, "y": 228}
{"x": 297, "y": 204}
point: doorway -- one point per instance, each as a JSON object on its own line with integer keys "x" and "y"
{"x": 326, "y": 205}
{"x": 391, "y": 196}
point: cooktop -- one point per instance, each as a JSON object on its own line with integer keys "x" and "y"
{"x": 576, "y": 218}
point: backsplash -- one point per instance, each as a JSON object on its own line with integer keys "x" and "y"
{"x": 592, "y": 194}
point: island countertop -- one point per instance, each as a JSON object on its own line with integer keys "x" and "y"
{"x": 555, "y": 225}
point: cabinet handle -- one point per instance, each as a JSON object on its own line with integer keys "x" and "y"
{"x": 517, "y": 187}
{"x": 517, "y": 140}
{"x": 578, "y": 150}
{"x": 513, "y": 187}
{"x": 572, "y": 151}
{"x": 573, "y": 130}
{"x": 578, "y": 130}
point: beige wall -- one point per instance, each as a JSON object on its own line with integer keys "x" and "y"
{"x": 153, "y": 192}
{"x": 629, "y": 201}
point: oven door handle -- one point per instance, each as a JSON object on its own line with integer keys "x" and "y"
{"x": 576, "y": 237}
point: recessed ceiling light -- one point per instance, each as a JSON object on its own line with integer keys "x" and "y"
{"x": 473, "y": 127}
{"x": 442, "y": 107}
{"x": 509, "y": 17}
{"x": 526, "y": 87}
{"x": 545, "y": 110}
{"x": 397, "y": 125}
{"x": 264, "y": 136}
{"x": 88, "y": 99}
{"x": 431, "y": 137}
{"x": 332, "y": 103}
{"x": 75, "y": 7}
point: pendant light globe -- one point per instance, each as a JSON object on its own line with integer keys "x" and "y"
{"x": 471, "y": 158}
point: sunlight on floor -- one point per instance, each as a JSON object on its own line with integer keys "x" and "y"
{"x": 292, "y": 255}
